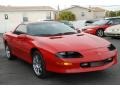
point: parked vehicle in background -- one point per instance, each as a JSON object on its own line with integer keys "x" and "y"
{"x": 113, "y": 31}
{"x": 98, "y": 27}
{"x": 69, "y": 23}
{"x": 82, "y": 23}
{"x": 53, "y": 46}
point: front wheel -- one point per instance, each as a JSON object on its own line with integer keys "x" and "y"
{"x": 8, "y": 52}
{"x": 100, "y": 33}
{"x": 39, "y": 65}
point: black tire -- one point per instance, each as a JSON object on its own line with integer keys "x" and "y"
{"x": 100, "y": 33}
{"x": 115, "y": 37}
{"x": 8, "y": 52}
{"x": 38, "y": 65}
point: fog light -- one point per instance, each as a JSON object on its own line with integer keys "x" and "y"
{"x": 109, "y": 59}
{"x": 84, "y": 64}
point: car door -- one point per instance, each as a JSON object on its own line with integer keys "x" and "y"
{"x": 20, "y": 42}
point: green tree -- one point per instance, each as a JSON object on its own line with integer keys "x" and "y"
{"x": 118, "y": 13}
{"x": 66, "y": 15}
{"x": 112, "y": 13}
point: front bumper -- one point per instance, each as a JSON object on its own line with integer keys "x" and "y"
{"x": 74, "y": 66}
{"x": 112, "y": 34}
{"x": 91, "y": 69}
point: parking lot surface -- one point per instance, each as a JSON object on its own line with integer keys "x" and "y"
{"x": 17, "y": 72}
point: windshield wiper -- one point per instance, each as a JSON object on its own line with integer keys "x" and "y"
{"x": 44, "y": 35}
{"x": 68, "y": 33}
{"x": 58, "y": 34}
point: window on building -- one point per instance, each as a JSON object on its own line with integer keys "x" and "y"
{"x": 25, "y": 19}
{"x": 48, "y": 15}
{"x": 6, "y": 16}
{"x": 82, "y": 14}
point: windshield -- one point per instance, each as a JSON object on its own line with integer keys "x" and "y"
{"x": 100, "y": 22}
{"x": 49, "y": 28}
{"x": 67, "y": 23}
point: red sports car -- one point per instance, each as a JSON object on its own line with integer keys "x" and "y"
{"x": 98, "y": 27}
{"x": 55, "y": 47}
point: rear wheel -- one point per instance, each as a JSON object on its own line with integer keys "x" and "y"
{"x": 8, "y": 52}
{"x": 100, "y": 33}
{"x": 38, "y": 65}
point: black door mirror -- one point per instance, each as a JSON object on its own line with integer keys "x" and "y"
{"x": 78, "y": 30}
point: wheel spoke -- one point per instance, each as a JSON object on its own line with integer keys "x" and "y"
{"x": 37, "y": 65}
{"x": 100, "y": 33}
{"x": 7, "y": 51}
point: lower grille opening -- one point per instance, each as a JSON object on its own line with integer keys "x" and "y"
{"x": 96, "y": 64}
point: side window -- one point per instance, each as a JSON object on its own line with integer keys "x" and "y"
{"x": 21, "y": 29}
{"x": 116, "y": 21}
{"x": 111, "y": 22}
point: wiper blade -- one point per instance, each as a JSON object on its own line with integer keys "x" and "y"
{"x": 58, "y": 34}
{"x": 43, "y": 35}
{"x": 49, "y": 34}
{"x": 67, "y": 33}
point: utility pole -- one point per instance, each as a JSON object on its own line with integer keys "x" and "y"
{"x": 58, "y": 12}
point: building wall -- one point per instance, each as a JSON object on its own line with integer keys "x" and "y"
{"x": 99, "y": 15}
{"x": 15, "y": 18}
{"x": 37, "y": 16}
{"x": 81, "y": 13}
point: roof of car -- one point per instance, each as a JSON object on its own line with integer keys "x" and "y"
{"x": 113, "y": 18}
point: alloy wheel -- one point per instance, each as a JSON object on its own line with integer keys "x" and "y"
{"x": 8, "y": 53}
{"x": 37, "y": 65}
{"x": 100, "y": 33}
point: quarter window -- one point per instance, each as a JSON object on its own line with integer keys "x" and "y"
{"x": 115, "y": 21}
{"x": 21, "y": 29}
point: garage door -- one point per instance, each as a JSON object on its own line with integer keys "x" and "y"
{"x": 6, "y": 26}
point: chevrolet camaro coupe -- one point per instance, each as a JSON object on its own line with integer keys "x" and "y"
{"x": 55, "y": 47}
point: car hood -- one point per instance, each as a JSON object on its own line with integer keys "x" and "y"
{"x": 113, "y": 29}
{"x": 75, "y": 42}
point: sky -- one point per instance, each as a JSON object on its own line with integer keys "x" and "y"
{"x": 108, "y": 4}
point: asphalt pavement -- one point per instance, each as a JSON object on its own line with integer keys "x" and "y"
{"x": 17, "y": 72}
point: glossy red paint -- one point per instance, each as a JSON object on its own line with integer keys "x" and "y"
{"x": 93, "y": 29}
{"x": 92, "y": 48}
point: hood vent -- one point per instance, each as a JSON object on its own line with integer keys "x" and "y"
{"x": 55, "y": 37}
{"x": 80, "y": 34}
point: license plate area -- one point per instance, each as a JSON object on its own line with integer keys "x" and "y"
{"x": 96, "y": 64}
